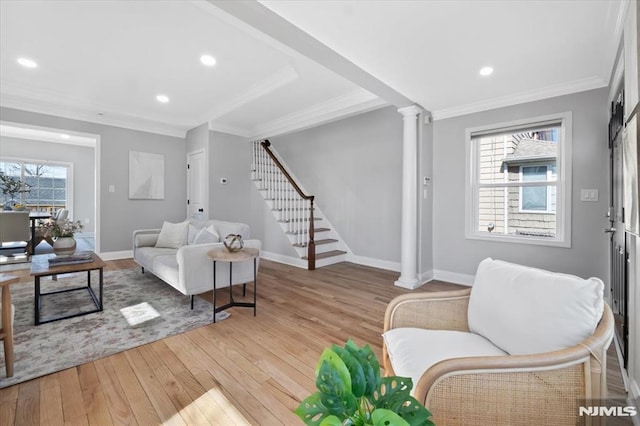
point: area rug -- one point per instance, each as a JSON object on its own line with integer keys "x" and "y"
{"x": 138, "y": 309}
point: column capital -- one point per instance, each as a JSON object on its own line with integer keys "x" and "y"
{"x": 410, "y": 111}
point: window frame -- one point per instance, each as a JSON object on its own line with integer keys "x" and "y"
{"x": 563, "y": 179}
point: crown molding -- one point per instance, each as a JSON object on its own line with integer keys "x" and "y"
{"x": 350, "y": 104}
{"x": 275, "y": 81}
{"x": 222, "y": 128}
{"x": 576, "y": 86}
{"x": 46, "y": 102}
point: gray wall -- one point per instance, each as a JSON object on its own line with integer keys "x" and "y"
{"x": 120, "y": 216}
{"x": 354, "y": 169}
{"x": 82, "y": 159}
{"x": 588, "y": 255}
{"x": 230, "y": 158}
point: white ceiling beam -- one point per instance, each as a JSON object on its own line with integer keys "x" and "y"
{"x": 270, "y": 23}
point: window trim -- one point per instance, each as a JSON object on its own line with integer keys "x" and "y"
{"x": 563, "y": 179}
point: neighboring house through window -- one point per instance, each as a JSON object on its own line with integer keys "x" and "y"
{"x": 519, "y": 181}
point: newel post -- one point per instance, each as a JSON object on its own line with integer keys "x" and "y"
{"x": 311, "y": 249}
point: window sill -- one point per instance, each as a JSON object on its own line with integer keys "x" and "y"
{"x": 519, "y": 239}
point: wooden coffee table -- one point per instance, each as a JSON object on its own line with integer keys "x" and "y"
{"x": 40, "y": 268}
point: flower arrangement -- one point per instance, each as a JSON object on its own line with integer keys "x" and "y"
{"x": 61, "y": 228}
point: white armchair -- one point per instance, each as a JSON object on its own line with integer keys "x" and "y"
{"x": 522, "y": 346}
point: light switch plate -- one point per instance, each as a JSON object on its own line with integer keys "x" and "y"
{"x": 589, "y": 195}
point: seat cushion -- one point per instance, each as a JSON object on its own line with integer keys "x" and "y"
{"x": 525, "y": 310}
{"x": 413, "y": 350}
{"x": 146, "y": 255}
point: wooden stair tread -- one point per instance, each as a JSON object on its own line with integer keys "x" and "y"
{"x": 327, "y": 254}
{"x": 318, "y": 242}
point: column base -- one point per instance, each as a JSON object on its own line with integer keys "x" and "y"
{"x": 410, "y": 284}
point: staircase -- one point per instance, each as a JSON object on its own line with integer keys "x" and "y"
{"x": 301, "y": 221}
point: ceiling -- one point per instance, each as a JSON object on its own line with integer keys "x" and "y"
{"x": 287, "y": 65}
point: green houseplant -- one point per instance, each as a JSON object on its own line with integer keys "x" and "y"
{"x": 351, "y": 392}
{"x": 11, "y": 186}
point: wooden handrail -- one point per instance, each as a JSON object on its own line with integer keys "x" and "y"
{"x": 311, "y": 246}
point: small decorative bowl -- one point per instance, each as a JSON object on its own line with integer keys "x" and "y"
{"x": 233, "y": 242}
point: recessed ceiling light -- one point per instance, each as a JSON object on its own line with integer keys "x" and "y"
{"x": 65, "y": 136}
{"x": 208, "y": 60}
{"x": 27, "y": 63}
{"x": 162, "y": 99}
{"x": 485, "y": 71}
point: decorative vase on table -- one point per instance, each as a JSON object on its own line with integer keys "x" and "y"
{"x": 64, "y": 246}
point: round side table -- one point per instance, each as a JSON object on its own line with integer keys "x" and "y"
{"x": 242, "y": 255}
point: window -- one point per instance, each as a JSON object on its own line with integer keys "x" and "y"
{"x": 538, "y": 199}
{"x": 48, "y": 184}
{"x": 519, "y": 181}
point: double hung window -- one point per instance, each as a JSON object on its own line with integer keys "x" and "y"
{"x": 519, "y": 178}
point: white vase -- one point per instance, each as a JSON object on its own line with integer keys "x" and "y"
{"x": 64, "y": 246}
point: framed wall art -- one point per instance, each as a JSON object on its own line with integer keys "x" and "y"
{"x": 146, "y": 176}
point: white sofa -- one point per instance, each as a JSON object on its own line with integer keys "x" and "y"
{"x": 183, "y": 262}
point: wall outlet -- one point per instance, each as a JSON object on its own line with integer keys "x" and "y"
{"x": 86, "y": 221}
{"x": 112, "y": 188}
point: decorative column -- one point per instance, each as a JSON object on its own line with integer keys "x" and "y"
{"x": 409, "y": 245}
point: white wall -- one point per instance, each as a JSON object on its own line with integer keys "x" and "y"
{"x": 588, "y": 255}
{"x": 120, "y": 216}
{"x": 81, "y": 157}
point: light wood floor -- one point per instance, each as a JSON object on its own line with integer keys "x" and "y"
{"x": 244, "y": 370}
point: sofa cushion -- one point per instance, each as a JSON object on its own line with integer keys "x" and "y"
{"x": 192, "y": 232}
{"x": 525, "y": 310}
{"x": 225, "y": 228}
{"x": 206, "y": 236}
{"x": 173, "y": 235}
{"x": 166, "y": 267}
{"x": 146, "y": 255}
{"x": 413, "y": 350}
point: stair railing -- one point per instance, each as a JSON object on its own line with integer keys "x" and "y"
{"x": 292, "y": 206}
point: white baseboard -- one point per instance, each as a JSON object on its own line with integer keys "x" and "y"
{"x": 287, "y": 260}
{"x": 374, "y": 263}
{"x": 453, "y": 277}
{"x": 425, "y": 277}
{"x": 115, "y": 255}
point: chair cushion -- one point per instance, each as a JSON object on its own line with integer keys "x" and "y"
{"x": 173, "y": 235}
{"x": 525, "y": 310}
{"x": 413, "y": 350}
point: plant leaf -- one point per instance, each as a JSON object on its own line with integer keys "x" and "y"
{"x": 331, "y": 421}
{"x": 338, "y": 365}
{"x": 358, "y": 380}
{"x": 311, "y": 410}
{"x": 384, "y": 417}
{"x": 371, "y": 371}
{"x": 394, "y": 394}
{"x": 334, "y": 393}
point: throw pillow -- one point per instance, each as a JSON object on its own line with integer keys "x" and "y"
{"x": 193, "y": 231}
{"x": 206, "y": 236}
{"x": 525, "y": 310}
{"x": 173, "y": 235}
